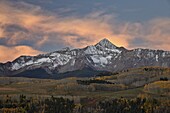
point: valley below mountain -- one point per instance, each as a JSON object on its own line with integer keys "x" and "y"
{"x": 96, "y": 79}
{"x": 146, "y": 84}
{"x": 146, "y": 80}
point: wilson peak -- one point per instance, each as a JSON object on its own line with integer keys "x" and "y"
{"x": 104, "y": 56}
{"x": 106, "y": 43}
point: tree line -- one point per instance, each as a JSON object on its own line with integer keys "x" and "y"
{"x": 32, "y": 105}
{"x": 88, "y": 82}
{"x": 123, "y": 105}
{"x": 61, "y": 105}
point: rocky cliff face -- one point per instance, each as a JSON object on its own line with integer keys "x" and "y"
{"x": 104, "y": 56}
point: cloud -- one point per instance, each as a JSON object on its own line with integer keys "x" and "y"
{"x": 93, "y": 27}
{"x": 42, "y": 41}
{"x": 155, "y": 34}
{"x": 10, "y": 53}
{"x": 26, "y": 24}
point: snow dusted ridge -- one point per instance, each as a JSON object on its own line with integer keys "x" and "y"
{"x": 62, "y": 57}
{"x": 102, "y": 56}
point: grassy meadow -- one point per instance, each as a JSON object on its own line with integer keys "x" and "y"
{"x": 128, "y": 86}
{"x": 128, "y": 83}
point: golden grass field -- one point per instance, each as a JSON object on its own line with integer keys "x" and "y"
{"x": 129, "y": 84}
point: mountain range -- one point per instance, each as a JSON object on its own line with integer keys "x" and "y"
{"x": 84, "y": 62}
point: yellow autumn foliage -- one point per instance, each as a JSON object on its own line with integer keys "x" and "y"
{"x": 158, "y": 87}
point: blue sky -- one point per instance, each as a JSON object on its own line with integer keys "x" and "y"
{"x": 40, "y": 26}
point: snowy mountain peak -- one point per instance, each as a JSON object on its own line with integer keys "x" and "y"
{"x": 104, "y": 56}
{"x": 106, "y": 44}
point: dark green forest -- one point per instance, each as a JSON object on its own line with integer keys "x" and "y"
{"x": 61, "y": 105}
{"x": 32, "y": 105}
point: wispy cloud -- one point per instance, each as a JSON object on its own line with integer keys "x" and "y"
{"x": 21, "y": 23}
{"x": 154, "y": 33}
{"x": 93, "y": 26}
{"x": 10, "y": 53}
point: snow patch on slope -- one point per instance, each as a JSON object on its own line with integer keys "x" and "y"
{"x": 157, "y": 58}
{"x": 55, "y": 59}
{"x": 101, "y": 60}
{"x": 42, "y": 60}
{"x": 91, "y": 50}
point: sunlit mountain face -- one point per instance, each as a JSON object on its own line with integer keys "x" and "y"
{"x": 29, "y": 27}
{"x": 84, "y": 62}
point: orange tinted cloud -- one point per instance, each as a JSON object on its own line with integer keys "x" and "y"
{"x": 159, "y": 34}
{"x": 155, "y": 33}
{"x": 94, "y": 29}
{"x": 93, "y": 26}
{"x": 1, "y": 32}
{"x": 10, "y": 53}
{"x": 77, "y": 31}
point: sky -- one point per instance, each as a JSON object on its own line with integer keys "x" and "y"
{"x": 31, "y": 27}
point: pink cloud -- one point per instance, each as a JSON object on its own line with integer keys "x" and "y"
{"x": 10, "y": 53}
{"x": 76, "y": 31}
